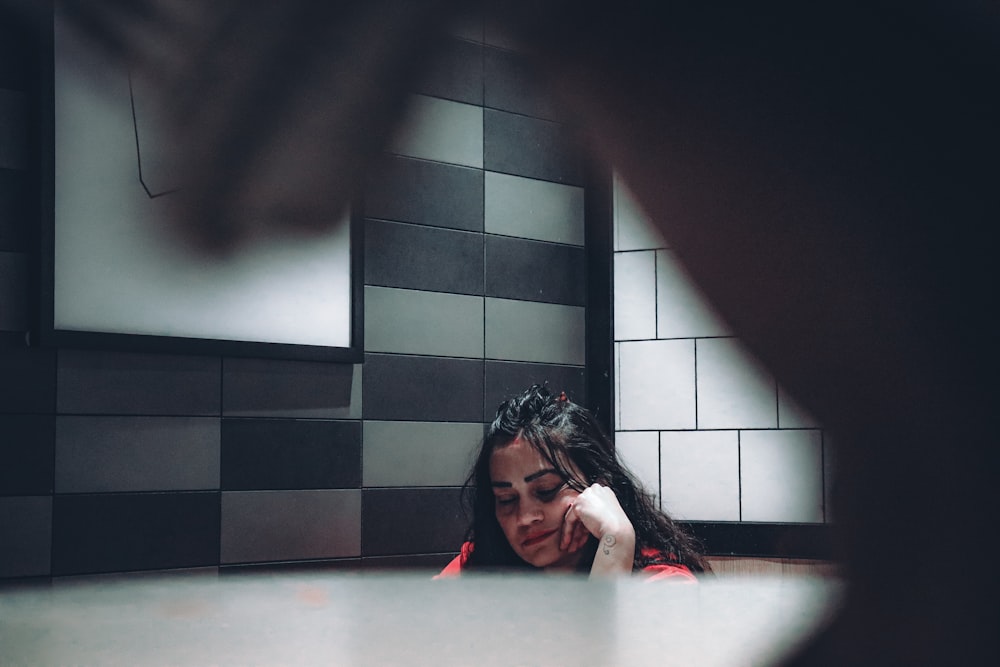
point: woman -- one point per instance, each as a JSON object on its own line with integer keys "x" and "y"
{"x": 548, "y": 493}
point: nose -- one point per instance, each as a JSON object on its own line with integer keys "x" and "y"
{"x": 529, "y": 513}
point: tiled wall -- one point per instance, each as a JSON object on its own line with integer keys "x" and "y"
{"x": 697, "y": 419}
{"x": 474, "y": 287}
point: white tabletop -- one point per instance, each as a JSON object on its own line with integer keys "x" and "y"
{"x": 352, "y": 619}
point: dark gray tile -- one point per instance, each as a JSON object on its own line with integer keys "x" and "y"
{"x": 530, "y": 147}
{"x": 505, "y": 379}
{"x": 535, "y": 271}
{"x": 14, "y": 288}
{"x": 411, "y": 521}
{"x": 427, "y": 193}
{"x": 429, "y": 563}
{"x": 14, "y": 126}
{"x": 17, "y": 53}
{"x": 131, "y": 383}
{"x": 25, "y": 536}
{"x": 14, "y": 210}
{"x": 281, "y": 388}
{"x": 292, "y": 567}
{"x": 410, "y": 388}
{"x": 126, "y": 531}
{"x": 511, "y": 83}
{"x": 27, "y": 443}
{"x": 260, "y": 526}
{"x": 417, "y": 257}
{"x": 96, "y": 454}
{"x": 27, "y": 379}
{"x": 454, "y": 72}
{"x": 290, "y": 454}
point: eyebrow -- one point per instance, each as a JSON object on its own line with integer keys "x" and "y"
{"x": 530, "y": 478}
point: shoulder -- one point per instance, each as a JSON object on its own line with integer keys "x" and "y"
{"x": 457, "y": 564}
{"x": 659, "y": 566}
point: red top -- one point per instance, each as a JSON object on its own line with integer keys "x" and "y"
{"x": 655, "y": 572}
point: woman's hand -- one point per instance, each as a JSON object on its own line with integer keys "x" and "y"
{"x": 597, "y": 512}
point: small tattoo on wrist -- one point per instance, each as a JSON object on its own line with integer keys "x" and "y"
{"x": 609, "y": 542}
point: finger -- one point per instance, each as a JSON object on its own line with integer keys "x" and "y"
{"x": 580, "y": 536}
{"x": 570, "y": 522}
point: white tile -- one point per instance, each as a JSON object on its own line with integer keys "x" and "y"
{"x": 682, "y": 311}
{"x": 618, "y": 384}
{"x": 781, "y": 476}
{"x": 791, "y": 414}
{"x": 533, "y": 209}
{"x": 13, "y": 129}
{"x": 419, "y": 453}
{"x": 260, "y": 526}
{"x": 117, "y": 454}
{"x": 657, "y": 385}
{"x": 640, "y": 452}
{"x": 13, "y": 291}
{"x": 635, "y": 295}
{"x": 733, "y": 390}
{"x": 418, "y": 322}
{"x": 632, "y": 229}
{"x": 700, "y": 475}
{"x": 441, "y": 130}
{"x": 531, "y": 331}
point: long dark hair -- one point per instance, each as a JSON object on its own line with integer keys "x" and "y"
{"x": 567, "y": 436}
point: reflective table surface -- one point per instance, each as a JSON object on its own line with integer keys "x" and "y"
{"x": 406, "y": 619}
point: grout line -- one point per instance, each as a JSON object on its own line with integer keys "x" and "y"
{"x": 739, "y": 473}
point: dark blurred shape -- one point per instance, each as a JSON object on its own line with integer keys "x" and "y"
{"x": 827, "y": 172}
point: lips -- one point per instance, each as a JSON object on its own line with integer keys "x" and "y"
{"x": 540, "y": 537}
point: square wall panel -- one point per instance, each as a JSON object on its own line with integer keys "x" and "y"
{"x": 533, "y": 209}
{"x": 27, "y": 443}
{"x": 124, "y": 532}
{"x": 791, "y": 414}
{"x": 441, "y": 130}
{"x": 681, "y": 309}
{"x": 412, "y": 521}
{"x": 426, "y": 193}
{"x": 25, "y": 536}
{"x": 781, "y": 475}
{"x": 506, "y": 379}
{"x": 419, "y": 453}
{"x": 27, "y": 380}
{"x": 733, "y": 390}
{"x": 418, "y": 322}
{"x": 700, "y": 475}
{"x": 412, "y": 388}
{"x": 424, "y": 258}
{"x": 120, "y": 454}
{"x": 284, "y": 388}
{"x": 132, "y": 383}
{"x": 640, "y": 452}
{"x": 528, "y": 331}
{"x": 535, "y": 271}
{"x": 260, "y": 526}
{"x": 635, "y": 295}
{"x": 290, "y": 454}
{"x": 656, "y": 385}
{"x": 633, "y": 230}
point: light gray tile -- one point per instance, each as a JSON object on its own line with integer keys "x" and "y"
{"x": 13, "y": 291}
{"x": 781, "y": 476}
{"x": 25, "y": 536}
{"x": 633, "y": 230}
{"x": 533, "y": 209}
{"x": 260, "y": 526}
{"x": 13, "y": 129}
{"x": 117, "y": 454}
{"x": 419, "y": 322}
{"x": 700, "y": 472}
{"x": 298, "y": 389}
{"x": 530, "y": 331}
{"x": 442, "y": 130}
{"x": 657, "y": 385}
{"x": 791, "y": 414}
{"x": 733, "y": 389}
{"x": 682, "y": 311}
{"x": 635, "y": 295}
{"x": 419, "y": 453}
{"x": 640, "y": 452}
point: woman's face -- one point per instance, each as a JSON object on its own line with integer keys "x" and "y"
{"x": 531, "y": 500}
